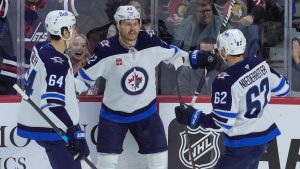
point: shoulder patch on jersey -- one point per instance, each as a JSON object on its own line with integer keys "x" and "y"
{"x": 57, "y": 59}
{"x": 150, "y": 33}
{"x": 247, "y": 66}
{"x": 222, "y": 75}
{"x": 104, "y": 43}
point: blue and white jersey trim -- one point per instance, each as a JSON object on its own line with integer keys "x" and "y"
{"x": 50, "y": 105}
{"x": 285, "y": 93}
{"x": 129, "y": 117}
{"x": 282, "y": 89}
{"x": 84, "y": 75}
{"x": 225, "y": 114}
{"x": 175, "y": 49}
{"x": 253, "y": 138}
{"x": 38, "y": 135}
{"x": 53, "y": 95}
{"x": 222, "y": 124}
{"x": 280, "y": 86}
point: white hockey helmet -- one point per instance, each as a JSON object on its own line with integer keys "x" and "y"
{"x": 57, "y": 19}
{"x": 233, "y": 41}
{"x": 126, "y": 12}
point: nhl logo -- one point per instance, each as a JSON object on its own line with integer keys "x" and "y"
{"x": 204, "y": 146}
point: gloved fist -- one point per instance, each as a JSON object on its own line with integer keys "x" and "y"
{"x": 188, "y": 115}
{"x": 202, "y": 59}
{"x": 77, "y": 143}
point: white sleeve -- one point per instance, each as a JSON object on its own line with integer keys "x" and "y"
{"x": 279, "y": 84}
{"x": 179, "y": 58}
{"x": 80, "y": 86}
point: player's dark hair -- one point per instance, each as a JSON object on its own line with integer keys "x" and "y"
{"x": 56, "y": 37}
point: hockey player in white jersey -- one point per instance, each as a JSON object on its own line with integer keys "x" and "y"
{"x": 50, "y": 84}
{"x": 240, "y": 97}
{"x": 127, "y": 61}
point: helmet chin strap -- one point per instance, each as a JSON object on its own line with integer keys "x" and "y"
{"x": 224, "y": 57}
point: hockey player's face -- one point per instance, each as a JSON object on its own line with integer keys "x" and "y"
{"x": 129, "y": 29}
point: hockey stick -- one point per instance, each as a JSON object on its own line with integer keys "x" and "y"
{"x": 178, "y": 63}
{"x": 59, "y": 131}
{"x": 227, "y": 17}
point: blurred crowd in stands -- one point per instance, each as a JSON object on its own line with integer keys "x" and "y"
{"x": 188, "y": 24}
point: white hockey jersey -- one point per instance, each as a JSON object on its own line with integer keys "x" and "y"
{"x": 130, "y": 90}
{"x": 50, "y": 84}
{"x": 240, "y": 97}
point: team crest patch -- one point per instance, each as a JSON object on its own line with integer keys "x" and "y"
{"x": 205, "y": 149}
{"x": 57, "y": 59}
{"x": 222, "y": 75}
{"x": 135, "y": 81}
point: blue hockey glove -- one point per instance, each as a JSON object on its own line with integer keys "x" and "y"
{"x": 202, "y": 59}
{"x": 77, "y": 142}
{"x": 188, "y": 115}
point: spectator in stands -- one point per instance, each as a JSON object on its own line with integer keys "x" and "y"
{"x": 200, "y": 24}
{"x": 79, "y": 52}
{"x": 79, "y": 55}
{"x": 296, "y": 66}
{"x": 176, "y": 14}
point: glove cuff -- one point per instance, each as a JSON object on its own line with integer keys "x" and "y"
{"x": 76, "y": 132}
{"x": 195, "y": 118}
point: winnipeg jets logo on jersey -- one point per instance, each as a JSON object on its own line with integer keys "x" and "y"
{"x": 222, "y": 75}
{"x": 134, "y": 81}
{"x": 57, "y": 59}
